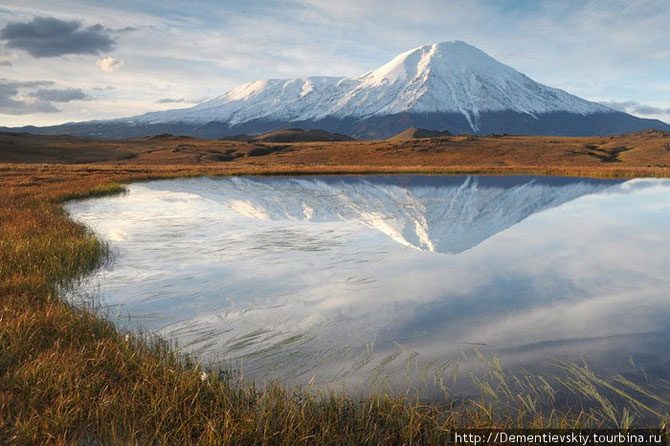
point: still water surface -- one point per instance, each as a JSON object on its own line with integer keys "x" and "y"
{"x": 336, "y": 279}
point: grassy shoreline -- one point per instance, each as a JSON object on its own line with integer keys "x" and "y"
{"x": 145, "y": 172}
{"x": 68, "y": 376}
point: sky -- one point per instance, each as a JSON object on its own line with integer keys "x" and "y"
{"x": 72, "y": 60}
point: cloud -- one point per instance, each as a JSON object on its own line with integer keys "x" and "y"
{"x": 51, "y": 37}
{"x": 14, "y": 102}
{"x": 178, "y": 101}
{"x": 126, "y": 29}
{"x": 61, "y": 95}
{"x": 24, "y": 84}
{"x": 109, "y": 63}
{"x": 28, "y": 97}
{"x": 171, "y": 101}
{"x": 636, "y": 107}
{"x": 6, "y": 59}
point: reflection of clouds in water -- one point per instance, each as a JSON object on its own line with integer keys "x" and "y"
{"x": 309, "y": 287}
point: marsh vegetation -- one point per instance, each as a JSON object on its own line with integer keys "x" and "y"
{"x": 68, "y": 376}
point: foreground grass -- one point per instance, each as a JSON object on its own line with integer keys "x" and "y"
{"x": 67, "y": 376}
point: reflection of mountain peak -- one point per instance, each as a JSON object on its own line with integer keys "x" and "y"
{"x": 437, "y": 214}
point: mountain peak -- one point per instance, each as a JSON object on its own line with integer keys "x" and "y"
{"x": 453, "y": 47}
{"x": 434, "y": 58}
{"x": 446, "y": 85}
{"x": 455, "y": 77}
{"x": 457, "y": 51}
{"x": 446, "y": 46}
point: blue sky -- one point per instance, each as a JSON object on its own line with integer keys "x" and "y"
{"x": 119, "y": 58}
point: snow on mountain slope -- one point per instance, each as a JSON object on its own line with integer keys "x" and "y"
{"x": 449, "y": 77}
{"x": 447, "y": 215}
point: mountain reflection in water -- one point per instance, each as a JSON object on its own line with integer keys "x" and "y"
{"x": 338, "y": 278}
{"x": 430, "y": 213}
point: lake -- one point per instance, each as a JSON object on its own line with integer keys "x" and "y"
{"x": 347, "y": 279}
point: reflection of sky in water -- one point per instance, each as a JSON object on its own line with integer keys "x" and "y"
{"x": 332, "y": 277}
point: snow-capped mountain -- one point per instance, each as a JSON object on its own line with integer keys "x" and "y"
{"x": 444, "y": 86}
{"x": 450, "y": 77}
{"x": 435, "y": 214}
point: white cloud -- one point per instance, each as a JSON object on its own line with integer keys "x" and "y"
{"x": 640, "y": 109}
{"x": 637, "y": 107}
{"x": 6, "y": 59}
{"x": 109, "y": 63}
{"x": 14, "y": 100}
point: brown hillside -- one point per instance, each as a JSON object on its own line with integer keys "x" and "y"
{"x": 416, "y": 133}
{"x": 301, "y": 135}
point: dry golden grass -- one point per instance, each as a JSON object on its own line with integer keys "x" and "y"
{"x": 639, "y": 154}
{"x": 67, "y": 376}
